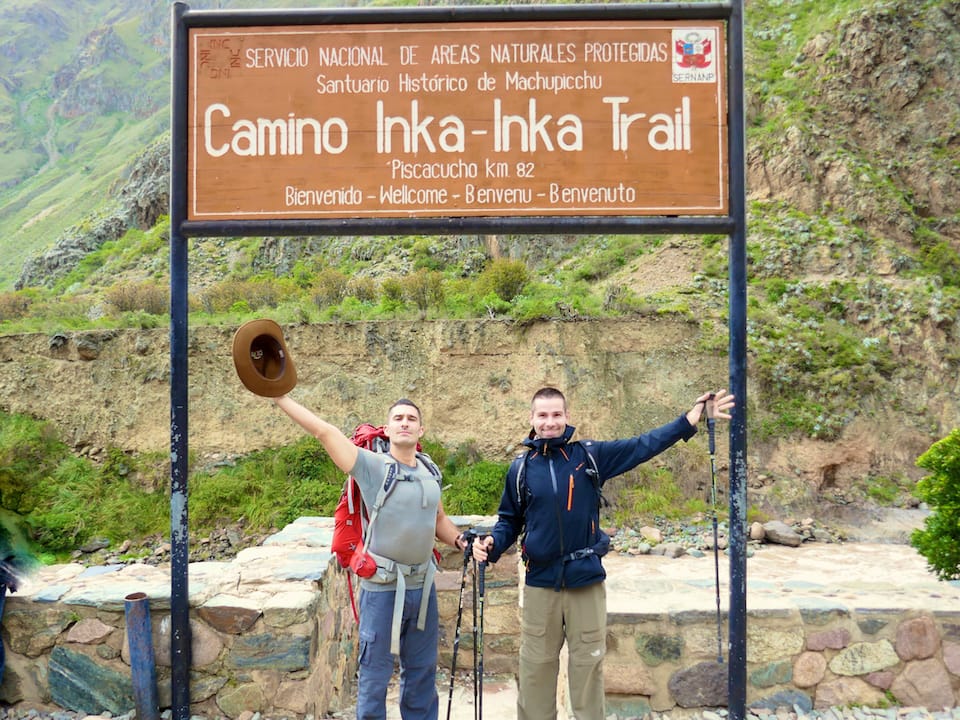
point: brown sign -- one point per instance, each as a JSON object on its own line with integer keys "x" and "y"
{"x": 463, "y": 119}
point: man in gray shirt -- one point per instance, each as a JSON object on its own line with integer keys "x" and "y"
{"x": 401, "y": 541}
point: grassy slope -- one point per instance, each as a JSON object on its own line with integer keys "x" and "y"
{"x": 61, "y": 168}
{"x": 40, "y": 201}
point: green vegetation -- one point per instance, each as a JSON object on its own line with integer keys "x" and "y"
{"x": 654, "y": 492}
{"x": 939, "y": 540}
{"x": 60, "y": 501}
{"x": 888, "y": 491}
{"x": 674, "y": 488}
{"x": 125, "y": 283}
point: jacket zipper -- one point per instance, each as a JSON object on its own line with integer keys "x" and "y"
{"x": 556, "y": 496}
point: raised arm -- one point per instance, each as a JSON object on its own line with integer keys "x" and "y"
{"x": 338, "y": 446}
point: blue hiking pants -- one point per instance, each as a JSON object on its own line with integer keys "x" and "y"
{"x": 418, "y": 656}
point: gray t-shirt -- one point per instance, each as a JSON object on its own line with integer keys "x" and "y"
{"x": 405, "y": 527}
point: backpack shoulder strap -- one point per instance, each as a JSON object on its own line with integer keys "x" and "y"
{"x": 594, "y": 471}
{"x": 430, "y": 465}
{"x": 389, "y": 482}
{"x": 519, "y": 468}
{"x": 520, "y": 463}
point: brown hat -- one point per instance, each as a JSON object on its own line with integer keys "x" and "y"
{"x": 262, "y": 360}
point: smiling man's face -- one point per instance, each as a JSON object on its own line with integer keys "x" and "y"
{"x": 549, "y": 417}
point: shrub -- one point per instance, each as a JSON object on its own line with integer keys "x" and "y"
{"x": 423, "y": 288}
{"x": 472, "y": 486}
{"x": 647, "y": 493}
{"x": 426, "y": 255}
{"x": 392, "y": 290}
{"x": 251, "y": 294}
{"x": 939, "y": 539}
{"x": 269, "y": 488}
{"x": 619, "y": 298}
{"x": 330, "y": 287}
{"x": 13, "y": 306}
{"x": 78, "y": 501}
{"x": 494, "y": 305}
{"x": 363, "y": 289}
{"x": 506, "y": 278}
{"x": 148, "y": 297}
{"x": 29, "y": 450}
{"x": 475, "y": 489}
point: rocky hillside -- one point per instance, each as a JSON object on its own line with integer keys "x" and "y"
{"x": 875, "y": 141}
{"x": 473, "y": 380}
{"x": 854, "y": 248}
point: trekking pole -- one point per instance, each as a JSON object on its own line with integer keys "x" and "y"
{"x": 467, "y": 552}
{"x": 712, "y": 442}
{"x": 476, "y": 630}
{"x": 481, "y": 583}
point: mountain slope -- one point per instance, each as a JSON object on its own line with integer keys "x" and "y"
{"x": 76, "y": 112}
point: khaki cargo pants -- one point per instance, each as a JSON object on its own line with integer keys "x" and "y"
{"x": 548, "y": 618}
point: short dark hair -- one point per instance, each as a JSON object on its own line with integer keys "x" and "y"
{"x": 405, "y": 401}
{"x": 545, "y": 393}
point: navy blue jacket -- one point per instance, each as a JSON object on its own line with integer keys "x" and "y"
{"x": 558, "y": 515}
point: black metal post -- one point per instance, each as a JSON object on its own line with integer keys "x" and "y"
{"x": 737, "y": 664}
{"x": 179, "y": 532}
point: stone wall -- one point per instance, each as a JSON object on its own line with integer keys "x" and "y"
{"x": 811, "y": 659}
{"x": 269, "y": 631}
{"x": 272, "y": 631}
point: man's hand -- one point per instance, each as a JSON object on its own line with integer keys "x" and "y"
{"x": 720, "y": 404}
{"x": 481, "y": 547}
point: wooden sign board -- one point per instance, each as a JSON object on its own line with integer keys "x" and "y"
{"x": 489, "y": 119}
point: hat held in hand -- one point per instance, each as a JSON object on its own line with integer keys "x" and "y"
{"x": 261, "y": 358}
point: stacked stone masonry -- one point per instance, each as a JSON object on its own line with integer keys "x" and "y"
{"x": 273, "y": 631}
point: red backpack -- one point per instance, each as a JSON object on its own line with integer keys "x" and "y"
{"x": 351, "y": 519}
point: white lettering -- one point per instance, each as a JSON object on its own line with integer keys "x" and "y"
{"x": 621, "y": 122}
{"x": 406, "y": 195}
{"x": 350, "y": 56}
{"x": 269, "y": 57}
{"x": 349, "y": 195}
{"x": 424, "y": 83}
{"x": 533, "y": 129}
{"x": 455, "y": 54}
{"x": 474, "y": 195}
{"x": 592, "y": 195}
{"x": 625, "y": 52}
{"x": 264, "y": 136}
{"x": 413, "y": 131}
{"x": 403, "y": 170}
{"x": 553, "y": 83}
{"x": 348, "y": 85}
{"x": 533, "y": 53}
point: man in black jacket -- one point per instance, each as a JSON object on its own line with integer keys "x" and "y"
{"x": 551, "y": 502}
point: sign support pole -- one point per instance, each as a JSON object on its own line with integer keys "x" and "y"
{"x": 179, "y": 377}
{"x": 737, "y": 634}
